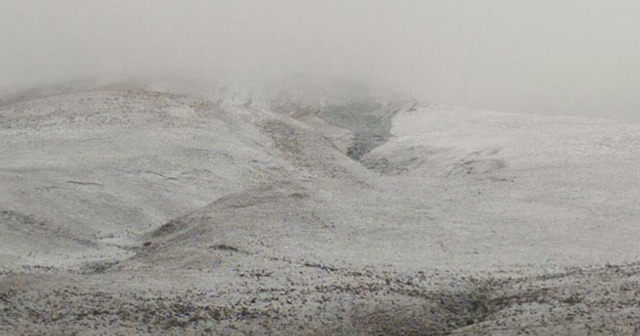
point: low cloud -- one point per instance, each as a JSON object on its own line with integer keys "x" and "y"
{"x": 568, "y": 57}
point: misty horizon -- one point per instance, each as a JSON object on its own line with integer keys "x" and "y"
{"x": 573, "y": 57}
{"x": 292, "y": 167}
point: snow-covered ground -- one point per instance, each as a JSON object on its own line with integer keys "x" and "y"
{"x": 522, "y": 189}
{"x": 311, "y": 208}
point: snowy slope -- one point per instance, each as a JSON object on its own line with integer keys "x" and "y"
{"x": 522, "y": 188}
{"x": 104, "y": 167}
{"x": 314, "y": 207}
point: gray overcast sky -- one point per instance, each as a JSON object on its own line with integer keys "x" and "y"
{"x": 569, "y": 56}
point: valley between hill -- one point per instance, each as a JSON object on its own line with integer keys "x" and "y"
{"x": 311, "y": 208}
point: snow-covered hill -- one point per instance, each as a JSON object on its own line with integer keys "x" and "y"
{"x": 307, "y": 206}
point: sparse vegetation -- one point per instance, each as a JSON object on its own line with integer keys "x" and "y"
{"x": 186, "y": 215}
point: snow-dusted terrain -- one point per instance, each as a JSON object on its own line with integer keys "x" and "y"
{"x": 311, "y": 207}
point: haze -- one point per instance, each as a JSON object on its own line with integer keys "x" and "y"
{"x": 569, "y": 57}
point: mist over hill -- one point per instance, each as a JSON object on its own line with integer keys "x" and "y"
{"x": 578, "y": 57}
{"x": 287, "y": 167}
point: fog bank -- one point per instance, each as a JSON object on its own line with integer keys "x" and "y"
{"x": 570, "y": 57}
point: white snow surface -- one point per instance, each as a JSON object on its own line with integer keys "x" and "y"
{"x": 521, "y": 189}
{"x": 248, "y": 215}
